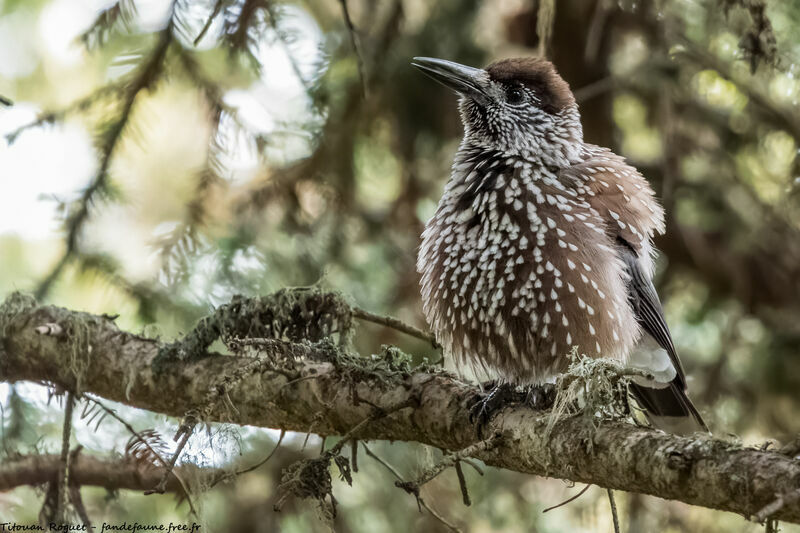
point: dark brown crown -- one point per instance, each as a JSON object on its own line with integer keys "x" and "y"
{"x": 537, "y": 74}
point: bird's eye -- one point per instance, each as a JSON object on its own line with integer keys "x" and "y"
{"x": 515, "y": 95}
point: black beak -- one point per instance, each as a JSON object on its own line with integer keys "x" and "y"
{"x": 461, "y": 78}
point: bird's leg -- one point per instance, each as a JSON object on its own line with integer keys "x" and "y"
{"x": 541, "y": 396}
{"x": 485, "y": 405}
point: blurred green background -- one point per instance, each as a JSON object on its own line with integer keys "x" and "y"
{"x": 280, "y": 149}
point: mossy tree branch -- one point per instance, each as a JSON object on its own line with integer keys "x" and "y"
{"x": 320, "y": 387}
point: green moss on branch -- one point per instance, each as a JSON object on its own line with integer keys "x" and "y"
{"x": 295, "y": 314}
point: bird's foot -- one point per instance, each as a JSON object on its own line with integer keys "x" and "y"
{"x": 485, "y": 405}
{"x": 540, "y": 397}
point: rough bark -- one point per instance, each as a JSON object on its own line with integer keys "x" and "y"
{"x": 89, "y": 470}
{"x": 313, "y": 387}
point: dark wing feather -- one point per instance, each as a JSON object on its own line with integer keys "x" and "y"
{"x": 627, "y": 205}
{"x": 672, "y": 400}
{"x": 647, "y": 308}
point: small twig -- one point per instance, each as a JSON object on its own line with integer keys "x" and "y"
{"x": 51, "y": 116}
{"x": 75, "y": 494}
{"x": 569, "y": 500}
{"x": 388, "y": 467}
{"x": 305, "y": 441}
{"x": 207, "y": 25}
{"x": 293, "y": 381}
{"x": 449, "y": 460}
{"x": 182, "y": 437}
{"x": 354, "y": 455}
{"x": 377, "y": 413}
{"x": 63, "y": 473}
{"x": 420, "y": 501}
{"x": 395, "y": 324}
{"x": 130, "y": 428}
{"x": 5, "y": 101}
{"x": 255, "y": 466}
{"x": 474, "y": 465}
{"x": 149, "y": 72}
{"x": 152, "y": 450}
{"x": 76, "y": 500}
{"x": 440, "y": 518}
{"x": 351, "y": 29}
{"x": 771, "y": 526}
{"x": 613, "y": 504}
{"x": 462, "y": 482}
{"x": 776, "y": 505}
{"x": 267, "y": 458}
{"x": 220, "y": 389}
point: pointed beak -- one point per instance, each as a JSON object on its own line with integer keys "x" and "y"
{"x": 468, "y": 81}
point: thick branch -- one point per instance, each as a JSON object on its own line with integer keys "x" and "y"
{"x": 312, "y": 388}
{"x": 88, "y": 470}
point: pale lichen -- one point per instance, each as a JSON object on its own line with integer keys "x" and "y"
{"x": 594, "y": 388}
{"x": 74, "y": 333}
{"x": 77, "y": 329}
{"x": 15, "y": 304}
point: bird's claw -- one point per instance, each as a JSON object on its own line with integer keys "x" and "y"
{"x": 484, "y": 406}
{"x": 540, "y": 397}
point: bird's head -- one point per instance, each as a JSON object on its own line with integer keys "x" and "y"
{"x": 517, "y": 106}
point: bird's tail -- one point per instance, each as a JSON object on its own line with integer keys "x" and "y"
{"x": 669, "y": 407}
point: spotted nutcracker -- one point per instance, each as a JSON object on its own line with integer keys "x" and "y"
{"x": 542, "y": 242}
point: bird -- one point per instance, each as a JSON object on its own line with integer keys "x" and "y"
{"x": 542, "y": 243}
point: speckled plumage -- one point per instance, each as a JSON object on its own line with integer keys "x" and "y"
{"x": 542, "y": 243}
{"x": 520, "y": 262}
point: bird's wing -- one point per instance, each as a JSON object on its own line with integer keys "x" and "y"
{"x": 660, "y": 401}
{"x": 621, "y": 196}
{"x": 631, "y": 215}
{"x": 647, "y": 307}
